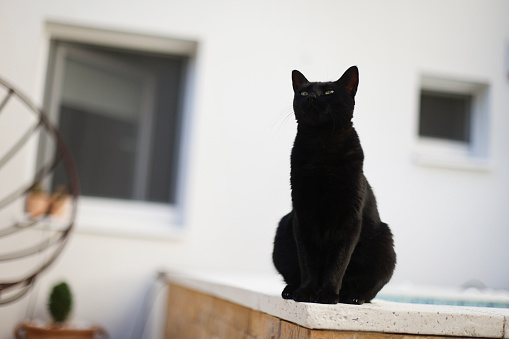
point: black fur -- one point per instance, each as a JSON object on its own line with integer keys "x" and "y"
{"x": 332, "y": 247}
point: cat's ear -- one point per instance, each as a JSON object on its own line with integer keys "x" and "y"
{"x": 350, "y": 80}
{"x": 298, "y": 80}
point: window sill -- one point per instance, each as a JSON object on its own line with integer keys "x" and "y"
{"x": 437, "y": 153}
{"x": 452, "y": 162}
{"x": 112, "y": 217}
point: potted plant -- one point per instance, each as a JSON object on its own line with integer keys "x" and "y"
{"x": 60, "y": 303}
{"x": 59, "y": 306}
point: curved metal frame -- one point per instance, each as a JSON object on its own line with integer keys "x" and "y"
{"x": 16, "y": 289}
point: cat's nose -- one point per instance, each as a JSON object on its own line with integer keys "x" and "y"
{"x": 311, "y": 97}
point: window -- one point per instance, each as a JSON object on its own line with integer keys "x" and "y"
{"x": 120, "y": 111}
{"x": 453, "y": 124}
{"x": 445, "y": 116}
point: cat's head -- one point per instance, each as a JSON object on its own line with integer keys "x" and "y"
{"x": 319, "y": 103}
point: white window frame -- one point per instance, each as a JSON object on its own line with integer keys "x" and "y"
{"x": 472, "y": 155}
{"x": 126, "y": 217}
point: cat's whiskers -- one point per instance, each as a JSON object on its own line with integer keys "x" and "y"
{"x": 282, "y": 119}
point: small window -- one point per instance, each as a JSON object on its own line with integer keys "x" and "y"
{"x": 453, "y": 123}
{"x": 445, "y": 116}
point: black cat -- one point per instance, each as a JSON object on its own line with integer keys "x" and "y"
{"x": 332, "y": 247}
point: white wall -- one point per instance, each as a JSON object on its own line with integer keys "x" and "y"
{"x": 450, "y": 225}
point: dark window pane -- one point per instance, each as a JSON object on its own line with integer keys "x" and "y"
{"x": 119, "y": 114}
{"x": 445, "y": 116}
{"x": 103, "y": 149}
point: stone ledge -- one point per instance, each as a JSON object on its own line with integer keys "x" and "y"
{"x": 262, "y": 295}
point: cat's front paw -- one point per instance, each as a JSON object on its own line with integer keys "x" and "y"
{"x": 305, "y": 295}
{"x": 352, "y": 300}
{"x": 326, "y": 297}
{"x": 288, "y": 292}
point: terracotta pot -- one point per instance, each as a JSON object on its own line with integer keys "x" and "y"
{"x": 37, "y": 204}
{"x": 33, "y": 331}
{"x": 60, "y": 207}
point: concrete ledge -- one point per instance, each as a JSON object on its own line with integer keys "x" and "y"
{"x": 262, "y": 294}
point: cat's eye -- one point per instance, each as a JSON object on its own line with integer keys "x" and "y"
{"x": 304, "y": 93}
{"x": 330, "y": 91}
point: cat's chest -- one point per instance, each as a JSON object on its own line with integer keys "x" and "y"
{"x": 319, "y": 171}
{"x": 319, "y": 174}
{"x": 316, "y": 166}
{"x": 323, "y": 162}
